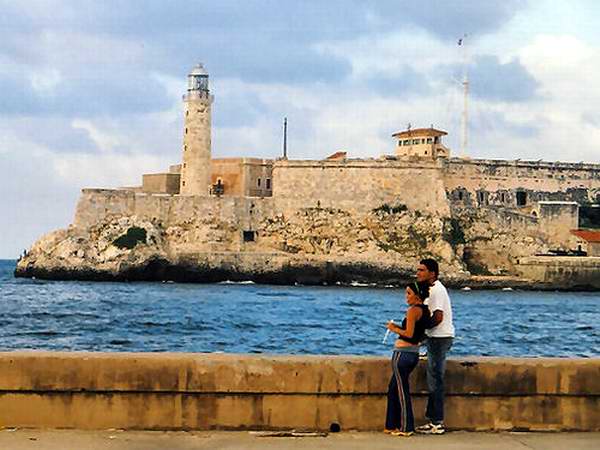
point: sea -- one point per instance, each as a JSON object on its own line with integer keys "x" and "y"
{"x": 252, "y": 318}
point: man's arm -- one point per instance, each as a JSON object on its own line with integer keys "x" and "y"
{"x": 435, "y": 306}
{"x": 437, "y": 317}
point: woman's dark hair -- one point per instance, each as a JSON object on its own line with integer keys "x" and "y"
{"x": 421, "y": 289}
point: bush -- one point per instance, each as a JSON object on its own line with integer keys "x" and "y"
{"x": 130, "y": 239}
{"x": 453, "y": 232}
{"x": 393, "y": 209}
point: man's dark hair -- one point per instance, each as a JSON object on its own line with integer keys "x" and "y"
{"x": 431, "y": 265}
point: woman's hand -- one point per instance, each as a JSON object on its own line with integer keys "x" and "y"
{"x": 391, "y": 326}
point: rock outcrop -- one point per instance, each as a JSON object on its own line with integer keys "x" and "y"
{"x": 309, "y": 246}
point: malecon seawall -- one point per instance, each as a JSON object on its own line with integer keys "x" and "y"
{"x": 179, "y": 391}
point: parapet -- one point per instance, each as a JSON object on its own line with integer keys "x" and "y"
{"x": 178, "y": 391}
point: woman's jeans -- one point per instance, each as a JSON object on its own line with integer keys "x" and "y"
{"x": 436, "y": 366}
{"x": 399, "y": 415}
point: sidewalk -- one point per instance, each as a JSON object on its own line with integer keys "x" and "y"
{"x": 216, "y": 440}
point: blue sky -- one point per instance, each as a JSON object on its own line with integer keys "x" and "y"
{"x": 91, "y": 90}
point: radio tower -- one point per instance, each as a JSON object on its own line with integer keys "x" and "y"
{"x": 465, "y": 84}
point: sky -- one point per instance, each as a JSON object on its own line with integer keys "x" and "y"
{"x": 90, "y": 91}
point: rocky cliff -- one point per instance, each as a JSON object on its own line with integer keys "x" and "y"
{"x": 244, "y": 241}
{"x": 120, "y": 235}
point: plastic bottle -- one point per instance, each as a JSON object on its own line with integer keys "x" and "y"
{"x": 387, "y": 333}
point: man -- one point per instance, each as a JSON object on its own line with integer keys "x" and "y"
{"x": 439, "y": 341}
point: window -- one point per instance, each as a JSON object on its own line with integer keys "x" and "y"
{"x": 258, "y": 182}
{"x": 460, "y": 195}
{"x": 429, "y": 140}
{"x": 399, "y": 143}
{"x": 184, "y": 165}
{"x": 423, "y": 141}
{"x": 249, "y": 235}
{"x": 436, "y": 140}
{"x": 521, "y": 198}
{"x": 503, "y": 197}
{"x": 183, "y": 183}
{"x": 425, "y": 151}
{"x": 407, "y": 142}
{"x": 186, "y": 131}
{"x": 184, "y": 148}
{"x": 482, "y": 198}
{"x": 268, "y": 183}
{"x": 415, "y": 141}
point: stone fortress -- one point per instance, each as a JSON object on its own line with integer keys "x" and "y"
{"x": 335, "y": 220}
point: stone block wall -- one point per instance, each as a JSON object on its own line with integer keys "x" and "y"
{"x": 175, "y": 391}
{"x": 484, "y": 182}
{"x": 161, "y": 183}
{"x": 360, "y": 185}
{"x": 568, "y": 272}
{"x": 557, "y": 219}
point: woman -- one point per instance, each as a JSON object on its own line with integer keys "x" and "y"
{"x": 399, "y": 417}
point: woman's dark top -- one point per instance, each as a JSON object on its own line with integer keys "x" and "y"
{"x": 420, "y": 326}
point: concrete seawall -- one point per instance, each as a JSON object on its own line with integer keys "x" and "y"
{"x": 176, "y": 391}
{"x": 566, "y": 272}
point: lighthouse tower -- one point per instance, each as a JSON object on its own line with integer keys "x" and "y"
{"x": 195, "y": 169}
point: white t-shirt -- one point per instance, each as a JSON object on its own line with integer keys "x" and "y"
{"x": 439, "y": 299}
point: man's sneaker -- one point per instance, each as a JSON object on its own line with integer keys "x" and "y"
{"x": 431, "y": 428}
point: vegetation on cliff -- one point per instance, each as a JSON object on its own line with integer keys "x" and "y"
{"x": 133, "y": 237}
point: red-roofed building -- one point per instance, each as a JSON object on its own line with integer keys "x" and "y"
{"x": 337, "y": 156}
{"x": 592, "y": 237}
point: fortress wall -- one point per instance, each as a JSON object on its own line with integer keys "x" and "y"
{"x": 96, "y": 205}
{"x": 359, "y": 185}
{"x": 541, "y": 181}
{"x": 180, "y": 391}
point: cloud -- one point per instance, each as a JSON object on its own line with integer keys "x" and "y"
{"x": 103, "y": 93}
{"x": 451, "y": 20}
{"x": 263, "y": 40}
{"x": 103, "y": 141}
{"x": 508, "y": 82}
{"x": 91, "y": 91}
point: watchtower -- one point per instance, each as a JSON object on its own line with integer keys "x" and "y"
{"x": 421, "y": 142}
{"x": 195, "y": 169}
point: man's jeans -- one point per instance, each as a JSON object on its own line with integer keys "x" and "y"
{"x": 436, "y": 366}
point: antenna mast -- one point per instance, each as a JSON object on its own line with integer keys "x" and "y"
{"x": 285, "y": 138}
{"x": 465, "y": 84}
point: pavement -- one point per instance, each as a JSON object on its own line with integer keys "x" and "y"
{"x": 24, "y": 439}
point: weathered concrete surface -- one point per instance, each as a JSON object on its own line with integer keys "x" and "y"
{"x": 219, "y": 440}
{"x": 172, "y": 391}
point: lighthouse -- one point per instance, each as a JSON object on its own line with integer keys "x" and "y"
{"x": 195, "y": 168}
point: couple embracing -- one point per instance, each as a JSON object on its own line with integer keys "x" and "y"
{"x": 428, "y": 321}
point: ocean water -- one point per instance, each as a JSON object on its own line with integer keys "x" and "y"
{"x": 249, "y": 318}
